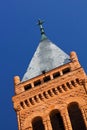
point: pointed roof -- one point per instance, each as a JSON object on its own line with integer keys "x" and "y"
{"x": 47, "y": 57}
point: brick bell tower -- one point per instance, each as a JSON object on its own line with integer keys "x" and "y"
{"x": 53, "y": 92}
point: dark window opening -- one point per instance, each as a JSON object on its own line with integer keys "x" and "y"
{"x": 36, "y": 98}
{"x": 45, "y": 94}
{"x": 41, "y": 96}
{"x": 65, "y": 71}
{"x": 26, "y": 102}
{"x": 36, "y": 83}
{"x": 76, "y": 117}
{"x": 46, "y": 79}
{"x": 56, "y": 120}
{"x": 59, "y": 89}
{"x": 31, "y": 101}
{"x": 68, "y": 85}
{"x": 22, "y": 104}
{"x": 73, "y": 83}
{"x": 38, "y": 124}
{"x": 77, "y": 80}
{"x": 54, "y": 91}
{"x": 55, "y": 75}
{"x": 64, "y": 87}
{"x": 50, "y": 93}
{"x": 27, "y": 87}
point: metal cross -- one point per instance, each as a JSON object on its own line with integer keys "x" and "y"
{"x": 40, "y": 22}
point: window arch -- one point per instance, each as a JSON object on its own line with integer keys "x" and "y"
{"x": 37, "y": 123}
{"x": 56, "y": 120}
{"x": 76, "y": 117}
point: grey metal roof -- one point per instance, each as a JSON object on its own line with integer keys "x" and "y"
{"x": 47, "y": 57}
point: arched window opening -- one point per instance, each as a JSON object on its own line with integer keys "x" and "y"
{"x": 77, "y": 80}
{"x": 68, "y": 85}
{"x": 31, "y": 101}
{"x": 76, "y": 117}
{"x": 56, "y": 120}
{"x": 46, "y": 95}
{"x": 50, "y": 93}
{"x": 54, "y": 91}
{"x": 36, "y": 98}
{"x": 41, "y": 97}
{"x": 73, "y": 83}
{"x": 64, "y": 87}
{"x": 59, "y": 89}
{"x": 22, "y": 105}
{"x": 26, "y": 102}
{"x": 37, "y": 124}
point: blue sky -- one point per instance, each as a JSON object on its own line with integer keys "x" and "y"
{"x": 65, "y": 25}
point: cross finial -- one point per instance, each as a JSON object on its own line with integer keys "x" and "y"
{"x": 40, "y": 22}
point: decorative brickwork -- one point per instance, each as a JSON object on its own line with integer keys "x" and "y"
{"x": 55, "y": 90}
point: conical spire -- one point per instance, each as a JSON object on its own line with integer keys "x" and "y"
{"x": 46, "y": 57}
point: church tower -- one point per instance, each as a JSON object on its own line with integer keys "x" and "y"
{"x": 53, "y": 92}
